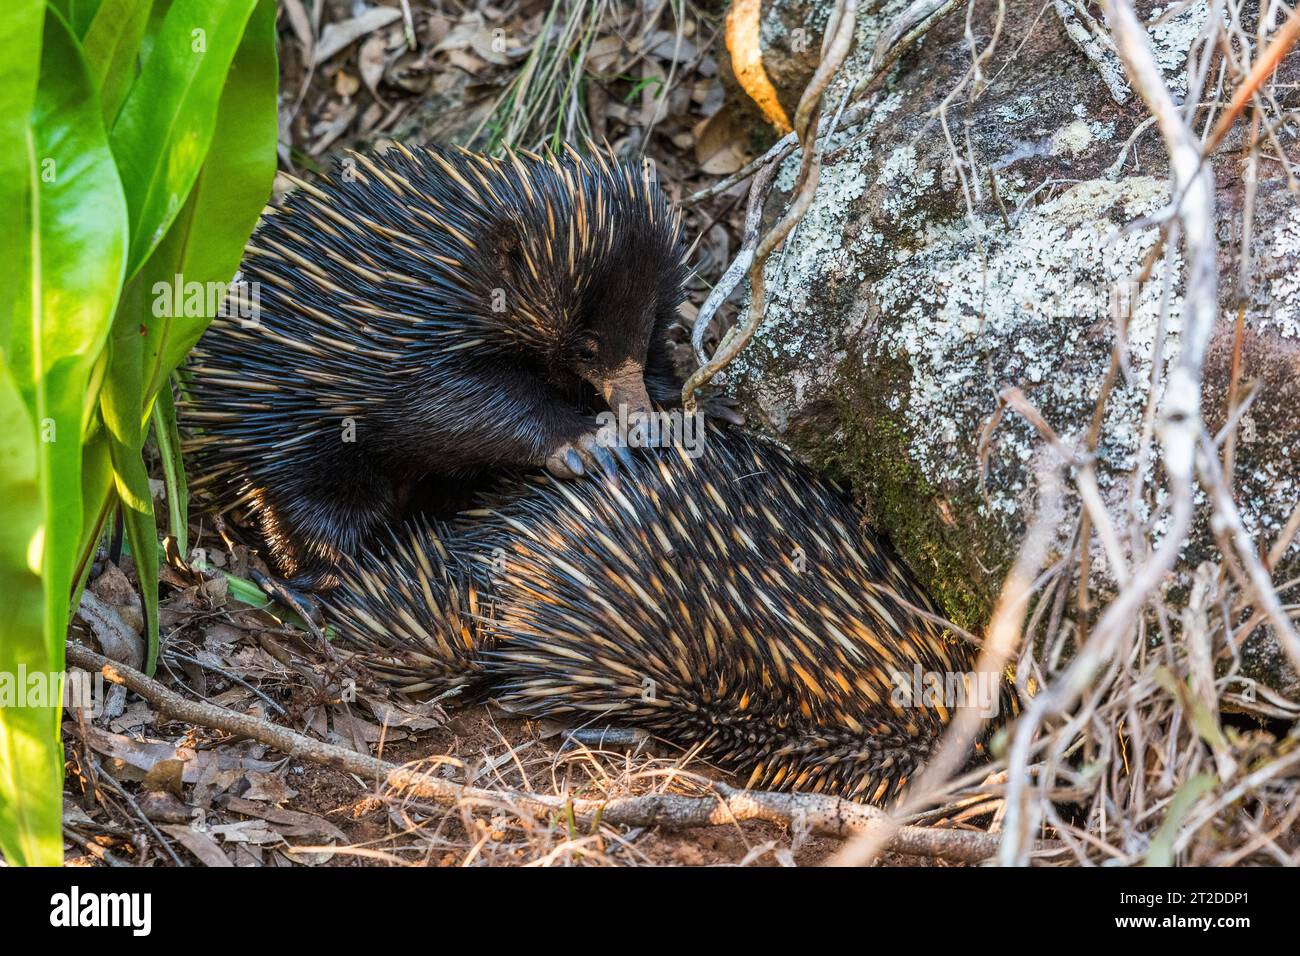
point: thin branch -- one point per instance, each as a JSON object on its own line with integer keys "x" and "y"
{"x": 758, "y": 192}
{"x": 1282, "y": 41}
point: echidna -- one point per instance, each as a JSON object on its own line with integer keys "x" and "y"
{"x": 735, "y": 600}
{"x": 431, "y": 314}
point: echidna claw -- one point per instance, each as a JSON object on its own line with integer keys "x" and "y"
{"x": 584, "y": 455}
{"x": 624, "y": 456}
{"x": 587, "y": 454}
{"x": 565, "y": 463}
{"x": 606, "y": 460}
{"x": 724, "y": 408}
{"x": 597, "y": 455}
{"x": 573, "y": 461}
{"x": 306, "y": 607}
{"x": 607, "y": 738}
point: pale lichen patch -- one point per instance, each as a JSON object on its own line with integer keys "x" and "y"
{"x": 1075, "y": 138}
{"x": 1283, "y": 314}
{"x": 1031, "y": 304}
{"x": 904, "y": 180}
{"x": 1172, "y": 39}
{"x": 816, "y": 247}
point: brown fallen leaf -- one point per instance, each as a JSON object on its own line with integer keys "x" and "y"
{"x": 308, "y": 856}
{"x": 247, "y": 831}
{"x": 371, "y": 60}
{"x": 268, "y": 787}
{"x": 346, "y": 84}
{"x": 491, "y": 46}
{"x": 338, "y": 36}
{"x": 166, "y": 776}
{"x": 300, "y": 23}
{"x": 220, "y": 634}
{"x": 436, "y": 29}
{"x": 316, "y": 721}
{"x": 654, "y": 103}
{"x": 162, "y": 807}
{"x": 469, "y": 62}
{"x": 370, "y": 118}
{"x": 412, "y": 716}
{"x": 137, "y": 714}
{"x": 668, "y": 46}
{"x": 116, "y": 638}
{"x": 718, "y": 146}
{"x": 132, "y": 759}
{"x": 328, "y": 131}
{"x": 353, "y": 731}
{"x": 215, "y": 589}
{"x": 604, "y": 56}
{"x": 213, "y": 781}
{"x": 289, "y": 822}
{"x": 461, "y": 36}
{"x": 249, "y": 855}
{"x": 112, "y": 587}
{"x": 199, "y": 843}
{"x": 236, "y": 698}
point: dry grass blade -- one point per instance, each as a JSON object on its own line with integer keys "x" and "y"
{"x": 1268, "y": 61}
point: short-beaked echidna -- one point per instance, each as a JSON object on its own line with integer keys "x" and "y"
{"x": 735, "y": 601}
{"x": 426, "y": 314}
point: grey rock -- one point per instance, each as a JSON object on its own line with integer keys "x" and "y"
{"x": 897, "y": 313}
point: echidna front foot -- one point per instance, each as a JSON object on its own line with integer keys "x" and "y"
{"x": 586, "y": 453}
{"x": 289, "y": 594}
{"x": 723, "y": 408}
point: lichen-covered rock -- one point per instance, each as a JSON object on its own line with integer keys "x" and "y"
{"x": 900, "y": 308}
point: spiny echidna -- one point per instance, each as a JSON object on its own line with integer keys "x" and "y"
{"x": 431, "y": 313}
{"x": 734, "y": 600}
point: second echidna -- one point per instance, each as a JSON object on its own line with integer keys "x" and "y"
{"x": 735, "y": 601}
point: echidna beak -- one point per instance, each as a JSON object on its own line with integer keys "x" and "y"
{"x": 624, "y": 392}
